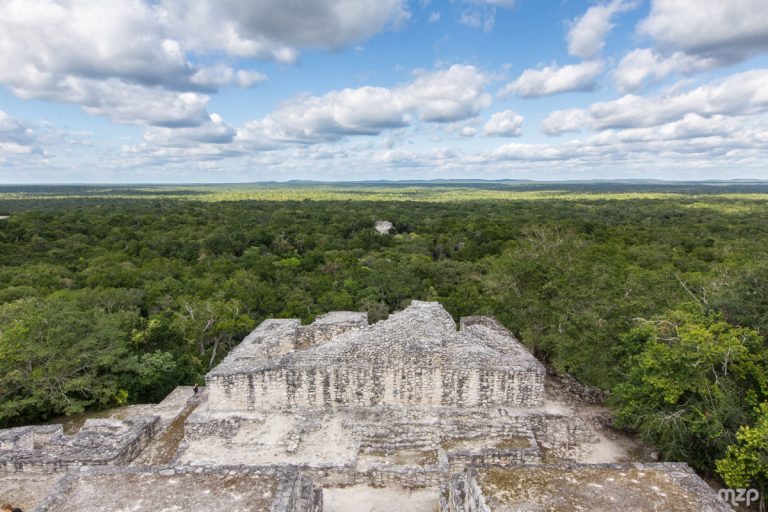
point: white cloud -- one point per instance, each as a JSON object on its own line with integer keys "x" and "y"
{"x": 130, "y": 103}
{"x": 132, "y": 60}
{"x": 504, "y": 124}
{"x": 644, "y": 65}
{"x": 553, "y": 79}
{"x": 528, "y": 152}
{"x": 16, "y": 137}
{"x": 434, "y": 17}
{"x": 728, "y": 31}
{"x": 115, "y": 59}
{"x": 442, "y": 96}
{"x": 25, "y": 144}
{"x": 691, "y": 126}
{"x": 277, "y": 29}
{"x": 213, "y": 131}
{"x": 446, "y": 95}
{"x": 41, "y": 42}
{"x": 568, "y": 120}
{"x": 468, "y": 132}
{"x": 363, "y": 111}
{"x": 586, "y": 37}
{"x": 222, "y": 75}
{"x": 692, "y": 36}
{"x": 739, "y": 94}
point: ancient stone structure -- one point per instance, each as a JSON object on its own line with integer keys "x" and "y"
{"x": 383, "y": 227}
{"x": 100, "y": 442}
{"x": 411, "y": 412}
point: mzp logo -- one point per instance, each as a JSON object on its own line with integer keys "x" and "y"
{"x": 736, "y": 496}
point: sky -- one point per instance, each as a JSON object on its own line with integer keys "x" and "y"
{"x": 205, "y": 91}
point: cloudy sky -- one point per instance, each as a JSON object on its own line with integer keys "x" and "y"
{"x": 151, "y": 91}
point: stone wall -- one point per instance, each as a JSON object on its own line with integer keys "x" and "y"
{"x": 561, "y": 434}
{"x": 27, "y": 438}
{"x": 99, "y": 442}
{"x": 325, "y": 327}
{"x": 464, "y": 494}
{"x": 316, "y": 387}
{"x": 377, "y": 476}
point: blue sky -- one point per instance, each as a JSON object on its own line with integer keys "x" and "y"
{"x": 137, "y": 91}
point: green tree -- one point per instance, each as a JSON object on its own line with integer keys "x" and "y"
{"x": 746, "y": 462}
{"x": 56, "y": 358}
{"x": 211, "y": 326}
{"x": 693, "y": 385}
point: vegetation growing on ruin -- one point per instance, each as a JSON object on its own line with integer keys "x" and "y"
{"x": 115, "y": 295}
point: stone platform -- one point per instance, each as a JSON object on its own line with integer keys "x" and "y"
{"x": 664, "y": 487}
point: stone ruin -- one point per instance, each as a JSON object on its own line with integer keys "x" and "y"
{"x": 383, "y": 227}
{"x": 340, "y": 415}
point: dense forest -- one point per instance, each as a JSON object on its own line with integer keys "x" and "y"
{"x": 660, "y": 294}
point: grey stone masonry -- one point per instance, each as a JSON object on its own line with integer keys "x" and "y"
{"x": 415, "y": 358}
{"x": 605, "y": 487}
{"x": 100, "y": 442}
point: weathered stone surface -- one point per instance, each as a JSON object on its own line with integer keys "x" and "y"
{"x": 27, "y": 490}
{"x": 402, "y": 401}
{"x": 45, "y": 448}
{"x": 415, "y": 358}
{"x": 606, "y": 487}
{"x": 228, "y": 488}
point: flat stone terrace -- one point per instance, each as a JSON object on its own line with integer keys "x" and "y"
{"x": 175, "y": 489}
{"x": 663, "y": 487}
{"x": 415, "y": 358}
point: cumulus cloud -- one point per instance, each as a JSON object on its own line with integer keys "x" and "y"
{"x": 114, "y": 59}
{"x": 691, "y": 126}
{"x": 41, "y": 42}
{"x": 555, "y": 79}
{"x": 446, "y": 95}
{"x": 504, "y": 124}
{"x": 133, "y": 60}
{"x": 222, "y": 75}
{"x": 132, "y": 104}
{"x": 527, "y": 152}
{"x": 212, "y": 131}
{"x": 363, "y": 111}
{"x": 442, "y": 96}
{"x": 586, "y": 37}
{"x": 692, "y": 36}
{"x": 277, "y": 29}
{"x": 568, "y": 120}
{"x": 739, "y": 94}
{"x": 727, "y": 31}
{"x": 644, "y": 65}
